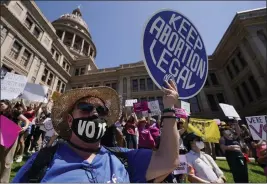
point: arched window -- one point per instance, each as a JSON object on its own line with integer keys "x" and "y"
{"x": 262, "y": 37}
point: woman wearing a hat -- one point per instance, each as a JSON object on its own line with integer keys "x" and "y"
{"x": 80, "y": 116}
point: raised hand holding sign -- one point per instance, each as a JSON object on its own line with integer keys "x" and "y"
{"x": 173, "y": 49}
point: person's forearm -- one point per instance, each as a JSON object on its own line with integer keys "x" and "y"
{"x": 237, "y": 128}
{"x": 167, "y": 155}
{"x": 23, "y": 105}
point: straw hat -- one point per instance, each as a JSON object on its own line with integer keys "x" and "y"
{"x": 63, "y": 105}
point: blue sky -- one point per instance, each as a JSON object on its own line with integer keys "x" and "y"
{"x": 117, "y": 27}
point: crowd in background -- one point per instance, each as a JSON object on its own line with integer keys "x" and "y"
{"x": 236, "y": 143}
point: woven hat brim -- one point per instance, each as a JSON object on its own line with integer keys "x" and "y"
{"x": 63, "y": 105}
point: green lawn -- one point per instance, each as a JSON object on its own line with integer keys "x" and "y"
{"x": 256, "y": 174}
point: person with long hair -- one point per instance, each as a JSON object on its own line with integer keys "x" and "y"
{"x": 231, "y": 146}
{"x": 30, "y": 112}
{"x": 7, "y": 154}
{"x": 22, "y": 136}
{"x": 130, "y": 131}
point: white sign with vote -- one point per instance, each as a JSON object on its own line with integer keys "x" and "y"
{"x": 12, "y": 86}
{"x": 258, "y": 127}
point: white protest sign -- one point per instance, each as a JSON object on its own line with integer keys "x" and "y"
{"x": 12, "y": 85}
{"x": 130, "y": 102}
{"x": 47, "y": 127}
{"x": 229, "y": 111}
{"x": 154, "y": 105}
{"x": 186, "y": 107}
{"x": 35, "y": 92}
{"x": 258, "y": 127}
{"x": 182, "y": 168}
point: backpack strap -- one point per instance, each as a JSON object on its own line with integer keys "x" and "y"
{"x": 119, "y": 154}
{"x": 42, "y": 161}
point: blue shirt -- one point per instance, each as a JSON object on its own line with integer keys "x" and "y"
{"x": 105, "y": 167}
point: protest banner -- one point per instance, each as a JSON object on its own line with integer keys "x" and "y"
{"x": 48, "y": 127}
{"x": 130, "y": 102}
{"x": 229, "y": 111}
{"x": 154, "y": 108}
{"x": 186, "y": 107}
{"x": 12, "y": 86}
{"x": 9, "y": 132}
{"x": 182, "y": 167}
{"x": 205, "y": 128}
{"x": 140, "y": 106}
{"x": 154, "y": 105}
{"x": 258, "y": 127}
{"x": 35, "y": 92}
{"x": 174, "y": 49}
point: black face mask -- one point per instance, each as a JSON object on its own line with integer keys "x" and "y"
{"x": 90, "y": 129}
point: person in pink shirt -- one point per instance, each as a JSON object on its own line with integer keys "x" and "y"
{"x": 146, "y": 140}
{"x": 260, "y": 147}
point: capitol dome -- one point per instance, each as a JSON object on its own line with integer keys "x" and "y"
{"x": 74, "y": 33}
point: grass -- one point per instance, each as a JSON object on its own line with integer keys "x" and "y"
{"x": 256, "y": 174}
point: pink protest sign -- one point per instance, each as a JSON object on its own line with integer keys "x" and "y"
{"x": 180, "y": 113}
{"x": 9, "y": 131}
{"x": 140, "y": 106}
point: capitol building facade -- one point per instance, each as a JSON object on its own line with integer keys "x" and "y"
{"x": 61, "y": 55}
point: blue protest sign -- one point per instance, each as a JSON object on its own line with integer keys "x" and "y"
{"x": 173, "y": 48}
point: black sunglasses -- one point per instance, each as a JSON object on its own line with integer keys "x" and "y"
{"x": 101, "y": 110}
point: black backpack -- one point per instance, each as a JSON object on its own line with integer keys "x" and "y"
{"x": 43, "y": 159}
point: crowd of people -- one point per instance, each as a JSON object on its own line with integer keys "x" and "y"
{"x": 87, "y": 137}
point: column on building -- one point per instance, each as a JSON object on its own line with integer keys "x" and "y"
{"x": 32, "y": 67}
{"x": 254, "y": 69}
{"x": 7, "y": 44}
{"x": 20, "y": 54}
{"x": 40, "y": 73}
{"x": 82, "y": 47}
{"x": 28, "y": 67}
{"x": 129, "y": 92}
{"x": 54, "y": 87}
{"x": 73, "y": 40}
{"x": 258, "y": 47}
{"x": 63, "y": 36}
{"x": 121, "y": 85}
{"x": 61, "y": 60}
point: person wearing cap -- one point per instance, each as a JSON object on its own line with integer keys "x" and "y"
{"x": 80, "y": 116}
{"x": 205, "y": 169}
